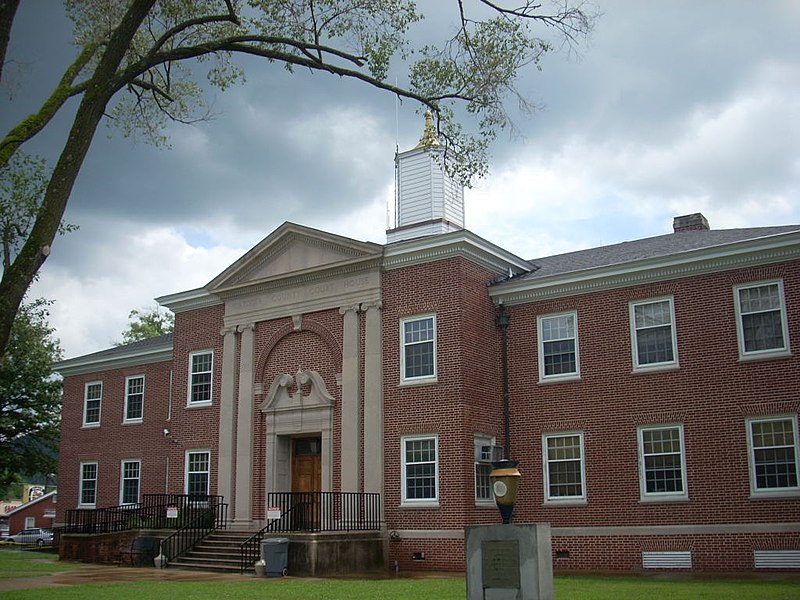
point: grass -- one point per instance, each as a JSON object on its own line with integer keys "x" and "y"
{"x": 19, "y": 563}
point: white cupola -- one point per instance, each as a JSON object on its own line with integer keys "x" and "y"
{"x": 428, "y": 201}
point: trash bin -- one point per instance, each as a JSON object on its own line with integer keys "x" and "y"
{"x": 275, "y": 554}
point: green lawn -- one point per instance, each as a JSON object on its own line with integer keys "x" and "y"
{"x": 16, "y": 563}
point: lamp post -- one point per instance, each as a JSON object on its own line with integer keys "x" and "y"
{"x": 505, "y": 482}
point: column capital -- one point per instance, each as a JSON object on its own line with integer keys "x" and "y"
{"x": 226, "y": 330}
{"x": 346, "y": 309}
{"x": 375, "y": 305}
{"x": 246, "y": 327}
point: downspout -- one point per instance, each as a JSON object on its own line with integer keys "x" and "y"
{"x": 503, "y": 320}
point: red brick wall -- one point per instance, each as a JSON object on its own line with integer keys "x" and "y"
{"x": 466, "y": 399}
{"x": 113, "y": 441}
{"x": 711, "y": 394}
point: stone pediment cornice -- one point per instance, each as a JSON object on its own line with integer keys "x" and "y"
{"x": 293, "y": 252}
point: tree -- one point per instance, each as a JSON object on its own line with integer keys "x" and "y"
{"x": 22, "y": 185}
{"x": 30, "y": 397}
{"x": 133, "y": 64}
{"x": 145, "y": 325}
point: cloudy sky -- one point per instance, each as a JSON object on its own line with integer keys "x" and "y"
{"x": 671, "y": 108}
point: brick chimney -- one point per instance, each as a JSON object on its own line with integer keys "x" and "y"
{"x": 695, "y": 222}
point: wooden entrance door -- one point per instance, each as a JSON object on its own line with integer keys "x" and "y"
{"x": 306, "y": 481}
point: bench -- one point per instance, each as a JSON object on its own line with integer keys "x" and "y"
{"x": 142, "y": 552}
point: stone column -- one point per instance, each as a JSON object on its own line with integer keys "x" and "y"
{"x": 243, "y": 498}
{"x": 351, "y": 421}
{"x": 373, "y": 399}
{"x": 227, "y": 415}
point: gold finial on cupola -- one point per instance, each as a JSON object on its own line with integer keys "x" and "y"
{"x": 428, "y": 138}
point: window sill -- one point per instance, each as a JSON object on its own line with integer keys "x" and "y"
{"x": 776, "y": 355}
{"x": 90, "y": 426}
{"x": 423, "y": 505}
{"x": 564, "y": 379}
{"x": 776, "y": 495}
{"x": 199, "y": 405}
{"x": 485, "y": 504}
{"x": 663, "y": 499}
{"x": 655, "y": 369}
{"x": 133, "y": 422}
{"x": 419, "y": 382}
{"x": 570, "y": 502}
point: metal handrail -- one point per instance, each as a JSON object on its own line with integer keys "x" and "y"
{"x": 207, "y": 520}
{"x": 312, "y": 512}
{"x": 150, "y": 513}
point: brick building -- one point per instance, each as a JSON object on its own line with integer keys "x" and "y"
{"x": 652, "y": 388}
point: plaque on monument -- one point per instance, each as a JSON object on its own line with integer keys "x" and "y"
{"x": 500, "y": 564}
{"x": 509, "y": 562}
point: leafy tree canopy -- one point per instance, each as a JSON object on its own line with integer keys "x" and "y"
{"x": 30, "y": 396}
{"x": 147, "y": 324}
{"x": 134, "y": 57}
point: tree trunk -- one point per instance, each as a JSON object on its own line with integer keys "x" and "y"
{"x": 8, "y": 9}
{"x": 19, "y": 276}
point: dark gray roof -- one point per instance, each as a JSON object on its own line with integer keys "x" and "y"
{"x": 655, "y": 247}
{"x": 134, "y": 347}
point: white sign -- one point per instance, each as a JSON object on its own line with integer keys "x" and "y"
{"x": 172, "y": 512}
{"x": 273, "y": 513}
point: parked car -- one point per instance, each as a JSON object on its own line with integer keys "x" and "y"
{"x": 33, "y": 535}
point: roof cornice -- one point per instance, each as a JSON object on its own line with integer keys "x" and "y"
{"x": 461, "y": 243}
{"x": 91, "y": 363}
{"x": 737, "y": 255}
{"x": 189, "y": 300}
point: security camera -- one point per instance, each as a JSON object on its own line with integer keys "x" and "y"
{"x": 166, "y": 432}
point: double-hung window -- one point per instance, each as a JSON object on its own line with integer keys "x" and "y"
{"x": 198, "y": 474}
{"x": 129, "y": 482}
{"x": 88, "y": 484}
{"x": 661, "y": 463}
{"x": 773, "y": 455}
{"x": 420, "y": 469}
{"x": 418, "y": 348}
{"x": 134, "y": 399}
{"x": 200, "y": 371}
{"x": 653, "y": 334}
{"x": 484, "y": 450}
{"x": 761, "y": 319}
{"x": 558, "y": 346}
{"x": 93, "y": 398}
{"x": 563, "y": 467}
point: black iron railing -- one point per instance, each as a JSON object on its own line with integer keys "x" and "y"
{"x": 201, "y": 521}
{"x": 155, "y": 511}
{"x": 311, "y": 512}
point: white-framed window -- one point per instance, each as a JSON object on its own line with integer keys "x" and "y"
{"x": 129, "y": 481}
{"x": 653, "y": 339}
{"x": 201, "y": 365}
{"x": 662, "y": 471}
{"x": 134, "y": 399}
{"x": 484, "y": 455}
{"x": 198, "y": 473}
{"x": 563, "y": 467}
{"x": 420, "y": 469}
{"x": 773, "y": 449}
{"x": 418, "y": 348}
{"x": 761, "y": 319}
{"x": 88, "y": 484}
{"x": 558, "y": 346}
{"x": 93, "y": 399}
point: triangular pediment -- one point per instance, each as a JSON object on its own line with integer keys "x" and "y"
{"x": 293, "y": 250}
